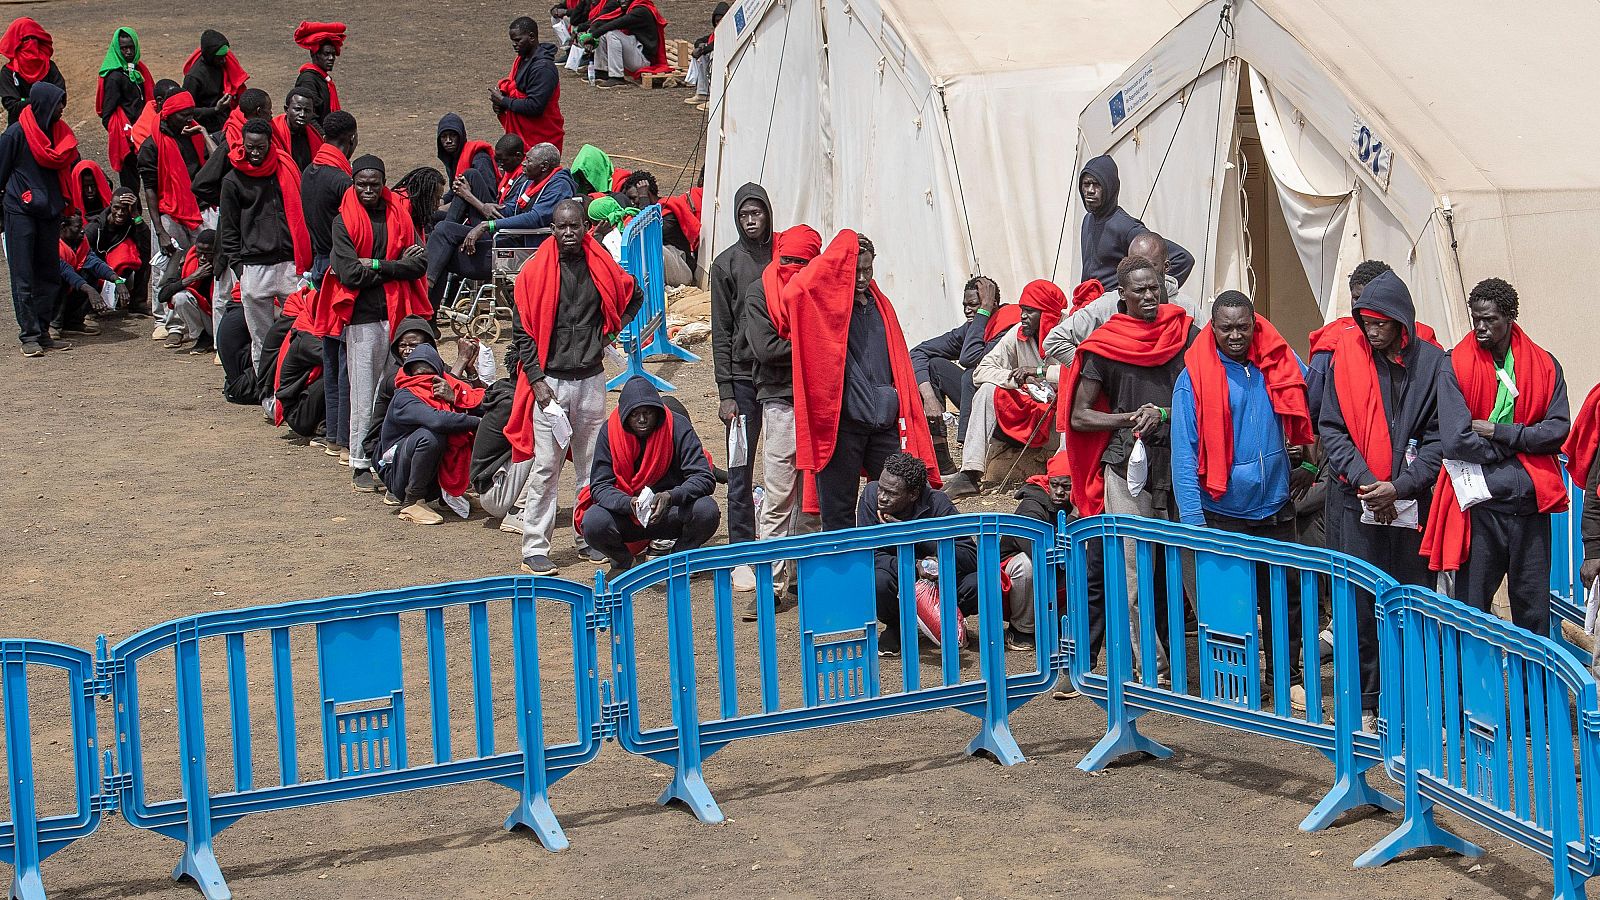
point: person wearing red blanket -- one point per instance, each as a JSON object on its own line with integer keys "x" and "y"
{"x": 190, "y": 295}
{"x": 36, "y": 159}
{"x": 1119, "y": 388}
{"x": 425, "y": 448}
{"x": 124, "y": 87}
{"x": 295, "y": 130}
{"x": 261, "y": 229}
{"x": 855, "y": 393}
{"x": 1003, "y": 403}
{"x": 1241, "y": 442}
{"x": 28, "y": 50}
{"x": 459, "y": 156}
{"x": 1093, "y": 306}
{"x": 680, "y": 225}
{"x": 528, "y": 100}
{"x": 628, "y": 37}
{"x": 571, "y": 301}
{"x": 374, "y": 281}
{"x": 169, "y": 159}
{"x": 943, "y": 364}
{"x": 1043, "y": 498}
{"x": 646, "y": 446}
{"x": 121, "y": 237}
{"x": 322, "y": 188}
{"x": 324, "y": 41}
{"x": 1324, "y": 339}
{"x": 83, "y": 276}
{"x": 1502, "y": 405}
{"x": 214, "y": 78}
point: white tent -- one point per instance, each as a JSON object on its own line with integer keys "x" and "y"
{"x": 1282, "y": 141}
{"x": 940, "y": 128}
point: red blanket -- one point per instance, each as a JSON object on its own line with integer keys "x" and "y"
{"x": 27, "y": 48}
{"x": 1016, "y": 412}
{"x": 234, "y": 77}
{"x": 546, "y": 128}
{"x": 683, "y": 209}
{"x": 175, "y": 186}
{"x": 333, "y": 89}
{"x": 56, "y": 151}
{"x": 1582, "y": 442}
{"x": 88, "y": 172}
{"x": 637, "y": 465}
{"x": 799, "y": 242}
{"x": 283, "y": 140}
{"x": 659, "y": 62}
{"x": 335, "y": 301}
{"x": 469, "y": 152}
{"x": 1327, "y": 337}
{"x": 329, "y": 155}
{"x": 455, "y": 470}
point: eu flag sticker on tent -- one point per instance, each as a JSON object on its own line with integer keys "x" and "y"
{"x": 1118, "y": 110}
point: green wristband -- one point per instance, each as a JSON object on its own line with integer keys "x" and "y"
{"x": 983, "y": 312}
{"x": 1311, "y": 468}
{"x": 490, "y": 225}
{"x": 1165, "y": 414}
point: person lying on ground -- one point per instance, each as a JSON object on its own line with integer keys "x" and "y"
{"x": 425, "y": 451}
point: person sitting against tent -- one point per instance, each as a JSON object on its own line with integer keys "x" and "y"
{"x": 1093, "y": 304}
{"x": 1116, "y": 396}
{"x": 1241, "y": 448}
{"x": 324, "y": 41}
{"x": 528, "y": 100}
{"x": 571, "y": 300}
{"x": 680, "y": 225}
{"x": 36, "y": 158}
{"x": 1108, "y": 231}
{"x": 169, "y": 159}
{"x": 699, "y": 73}
{"x": 1503, "y": 406}
{"x": 627, "y": 37}
{"x": 902, "y": 493}
{"x": 213, "y": 77}
{"x": 295, "y": 130}
{"x": 1325, "y": 339}
{"x": 261, "y": 229}
{"x": 83, "y": 273}
{"x": 474, "y": 159}
{"x": 120, "y": 236}
{"x": 650, "y": 481}
{"x": 1378, "y": 425}
{"x": 29, "y": 52}
{"x": 425, "y": 451}
{"x": 943, "y": 364}
{"x": 1043, "y": 498}
{"x": 190, "y": 295}
{"x": 855, "y": 394}
{"x": 124, "y": 87}
{"x": 297, "y": 397}
{"x": 1010, "y": 382}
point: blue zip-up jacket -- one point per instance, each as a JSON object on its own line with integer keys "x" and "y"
{"x": 963, "y": 344}
{"x": 541, "y": 207}
{"x": 1258, "y": 486}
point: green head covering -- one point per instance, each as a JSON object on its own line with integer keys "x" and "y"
{"x": 607, "y": 209}
{"x": 114, "y": 60}
{"x": 595, "y": 166}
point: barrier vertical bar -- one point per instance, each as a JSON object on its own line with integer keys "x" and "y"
{"x": 994, "y": 735}
{"x": 722, "y": 596}
{"x": 767, "y": 637}
{"x": 1177, "y": 641}
{"x": 283, "y": 698}
{"x": 949, "y": 642}
{"x": 239, "y": 713}
{"x": 482, "y": 687}
{"x": 1282, "y": 629}
{"x": 533, "y": 807}
{"x": 1310, "y": 651}
{"x": 438, "y": 685}
{"x": 25, "y": 882}
{"x": 199, "y": 863}
{"x": 688, "y": 784}
{"x": 906, "y": 581}
{"x": 1122, "y": 730}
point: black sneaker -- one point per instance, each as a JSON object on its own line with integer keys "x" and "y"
{"x": 591, "y": 554}
{"x": 364, "y": 482}
{"x": 959, "y": 485}
{"x": 1016, "y": 640}
{"x": 888, "y": 645}
{"x": 203, "y": 347}
{"x": 538, "y": 565}
{"x": 32, "y": 350}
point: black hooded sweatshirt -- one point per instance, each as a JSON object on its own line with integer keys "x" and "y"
{"x": 380, "y": 405}
{"x": 688, "y": 477}
{"x": 481, "y": 175}
{"x": 536, "y": 76}
{"x": 31, "y": 189}
{"x": 732, "y": 273}
{"x": 774, "y": 355}
{"x": 930, "y": 504}
{"x": 1106, "y": 235}
{"x": 204, "y": 81}
{"x": 491, "y": 452}
{"x": 1034, "y": 503}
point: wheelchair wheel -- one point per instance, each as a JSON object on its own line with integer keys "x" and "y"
{"x": 459, "y": 323}
{"x": 485, "y": 328}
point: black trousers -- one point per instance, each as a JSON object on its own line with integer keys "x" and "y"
{"x": 445, "y": 257}
{"x": 1397, "y": 551}
{"x": 1512, "y": 547}
{"x": 741, "y": 502}
{"x": 839, "y": 483}
{"x": 1280, "y": 527}
{"x": 689, "y": 525}
{"x": 886, "y": 577}
{"x": 953, "y": 385}
{"x": 71, "y": 308}
{"x": 414, "y": 474}
{"x": 33, "y": 253}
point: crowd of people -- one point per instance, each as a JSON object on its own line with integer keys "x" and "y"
{"x": 317, "y": 281}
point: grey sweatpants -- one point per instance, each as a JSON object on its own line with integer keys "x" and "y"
{"x": 499, "y": 499}
{"x": 366, "y": 348}
{"x": 779, "y": 515}
{"x": 262, "y": 290}
{"x": 190, "y": 319}
{"x": 619, "y": 53}
{"x": 585, "y": 404}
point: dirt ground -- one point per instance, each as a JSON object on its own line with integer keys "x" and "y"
{"x": 138, "y": 495}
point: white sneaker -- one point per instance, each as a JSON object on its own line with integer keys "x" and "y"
{"x": 511, "y": 524}
{"x": 744, "y": 579}
{"x": 1369, "y": 722}
{"x": 421, "y": 514}
{"x": 1297, "y": 697}
{"x": 158, "y": 333}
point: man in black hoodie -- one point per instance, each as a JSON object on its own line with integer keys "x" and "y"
{"x": 418, "y": 436}
{"x": 256, "y": 234}
{"x": 450, "y": 142}
{"x": 1108, "y": 229}
{"x": 644, "y": 447}
{"x": 33, "y": 205}
{"x": 322, "y": 187}
{"x": 732, "y": 273}
{"x": 1384, "y": 459}
{"x": 1044, "y": 498}
{"x": 412, "y": 332}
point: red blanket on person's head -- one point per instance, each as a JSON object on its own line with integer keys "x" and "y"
{"x": 56, "y": 151}
{"x": 335, "y": 301}
{"x": 455, "y": 470}
{"x": 283, "y": 140}
{"x": 1085, "y": 294}
{"x": 1583, "y": 440}
{"x": 546, "y": 128}
{"x": 1449, "y": 531}
{"x": 537, "y": 294}
{"x": 821, "y": 300}
{"x": 636, "y": 464}
{"x": 688, "y": 218}
{"x": 86, "y": 176}
{"x": 1125, "y": 339}
{"x": 1017, "y": 414}
{"x": 799, "y": 242}
{"x": 1213, "y": 410}
{"x": 174, "y": 184}
{"x": 659, "y": 62}
{"x": 234, "y": 77}
{"x": 27, "y": 48}
{"x": 280, "y": 166}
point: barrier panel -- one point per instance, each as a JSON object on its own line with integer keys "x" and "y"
{"x": 1480, "y": 721}
{"x": 645, "y": 336}
{"x": 1567, "y": 594}
{"x": 839, "y": 575}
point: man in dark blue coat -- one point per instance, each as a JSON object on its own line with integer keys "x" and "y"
{"x": 33, "y": 205}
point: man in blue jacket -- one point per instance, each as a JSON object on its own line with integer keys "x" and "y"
{"x": 943, "y": 364}
{"x": 33, "y": 205}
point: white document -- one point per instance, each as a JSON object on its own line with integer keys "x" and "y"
{"x": 1592, "y": 608}
{"x": 738, "y": 443}
{"x": 560, "y": 425}
{"x": 108, "y": 295}
{"x": 643, "y": 506}
{"x": 1467, "y": 478}
{"x": 488, "y": 368}
{"x": 1138, "y": 468}
{"x": 458, "y": 505}
{"x": 1406, "y": 515}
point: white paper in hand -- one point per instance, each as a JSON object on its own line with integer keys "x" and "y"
{"x": 488, "y": 369}
{"x": 1138, "y": 467}
{"x": 1405, "y": 515}
{"x": 738, "y": 443}
{"x": 1591, "y": 613}
{"x": 560, "y": 425}
{"x": 643, "y": 506}
{"x": 1467, "y": 478}
{"x": 458, "y": 505}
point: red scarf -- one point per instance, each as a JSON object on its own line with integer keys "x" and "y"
{"x": 173, "y": 182}
{"x": 74, "y": 257}
{"x": 1017, "y": 414}
{"x": 1057, "y": 467}
{"x": 57, "y": 151}
{"x": 77, "y": 197}
{"x": 335, "y": 302}
{"x": 1449, "y": 531}
{"x": 333, "y": 89}
{"x": 636, "y": 464}
{"x": 1326, "y": 338}
{"x": 455, "y": 470}
{"x": 191, "y": 264}
{"x": 1582, "y": 441}
{"x": 293, "y": 305}
{"x": 470, "y": 150}
{"x": 821, "y": 300}
{"x": 144, "y": 126}
{"x": 799, "y": 242}
{"x": 546, "y": 128}
{"x": 329, "y": 155}
{"x": 279, "y": 165}
{"x": 1360, "y": 397}
{"x": 658, "y": 63}
{"x": 29, "y": 48}
{"x": 1213, "y": 410}
{"x": 234, "y": 77}
{"x": 683, "y": 209}
{"x": 1127, "y": 340}
{"x": 529, "y": 191}
{"x": 118, "y": 146}
{"x": 1001, "y": 320}
{"x": 284, "y": 139}
{"x": 537, "y": 293}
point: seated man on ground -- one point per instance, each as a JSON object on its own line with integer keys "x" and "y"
{"x": 472, "y": 198}
{"x": 411, "y": 333}
{"x": 650, "y": 480}
{"x": 120, "y": 236}
{"x": 943, "y": 364}
{"x": 189, "y": 294}
{"x": 627, "y": 36}
{"x": 297, "y": 398}
{"x": 902, "y": 494}
{"x": 83, "y": 275}
{"x": 680, "y": 225}
{"x": 1041, "y": 497}
{"x": 425, "y": 452}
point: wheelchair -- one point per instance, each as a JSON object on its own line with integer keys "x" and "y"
{"x": 474, "y": 308}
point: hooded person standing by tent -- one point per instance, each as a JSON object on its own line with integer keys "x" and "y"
{"x": 571, "y": 300}
{"x": 262, "y": 229}
{"x": 213, "y": 77}
{"x": 732, "y": 273}
{"x": 28, "y": 50}
{"x": 1108, "y": 230}
{"x": 1379, "y": 426}
{"x": 528, "y": 100}
{"x": 855, "y": 392}
{"x": 324, "y": 41}
{"x": 36, "y": 159}
{"x": 1502, "y": 406}
{"x": 125, "y": 86}
{"x": 1325, "y": 339}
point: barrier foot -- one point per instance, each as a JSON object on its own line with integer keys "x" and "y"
{"x": 1122, "y": 739}
{"x": 1350, "y": 792}
{"x": 199, "y": 865}
{"x": 27, "y": 886}
{"x": 996, "y": 742}
{"x": 536, "y": 816}
{"x": 1417, "y": 831}
{"x": 656, "y": 381}
{"x": 689, "y": 788}
{"x": 668, "y": 348}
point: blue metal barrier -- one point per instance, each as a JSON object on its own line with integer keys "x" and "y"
{"x": 1480, "y": 717}
{"x": 1229, "y": 647}
{"x": 646, "y": 335}
{"x": 838, "y": 625}
{"x": 1567, "y": 595}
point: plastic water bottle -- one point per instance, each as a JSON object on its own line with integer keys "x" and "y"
{"x": 1411, "y": 452}
{"x": 928, "y": 568}
{"x": 759, "y": 495}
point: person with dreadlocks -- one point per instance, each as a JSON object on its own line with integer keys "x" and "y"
{"x": 29, "y": 52}
{"x": 213, "y": 77}
{"x": 36, "y": 159}
{"x": 125, "y": 86}
{"x": 324, "y": 41}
